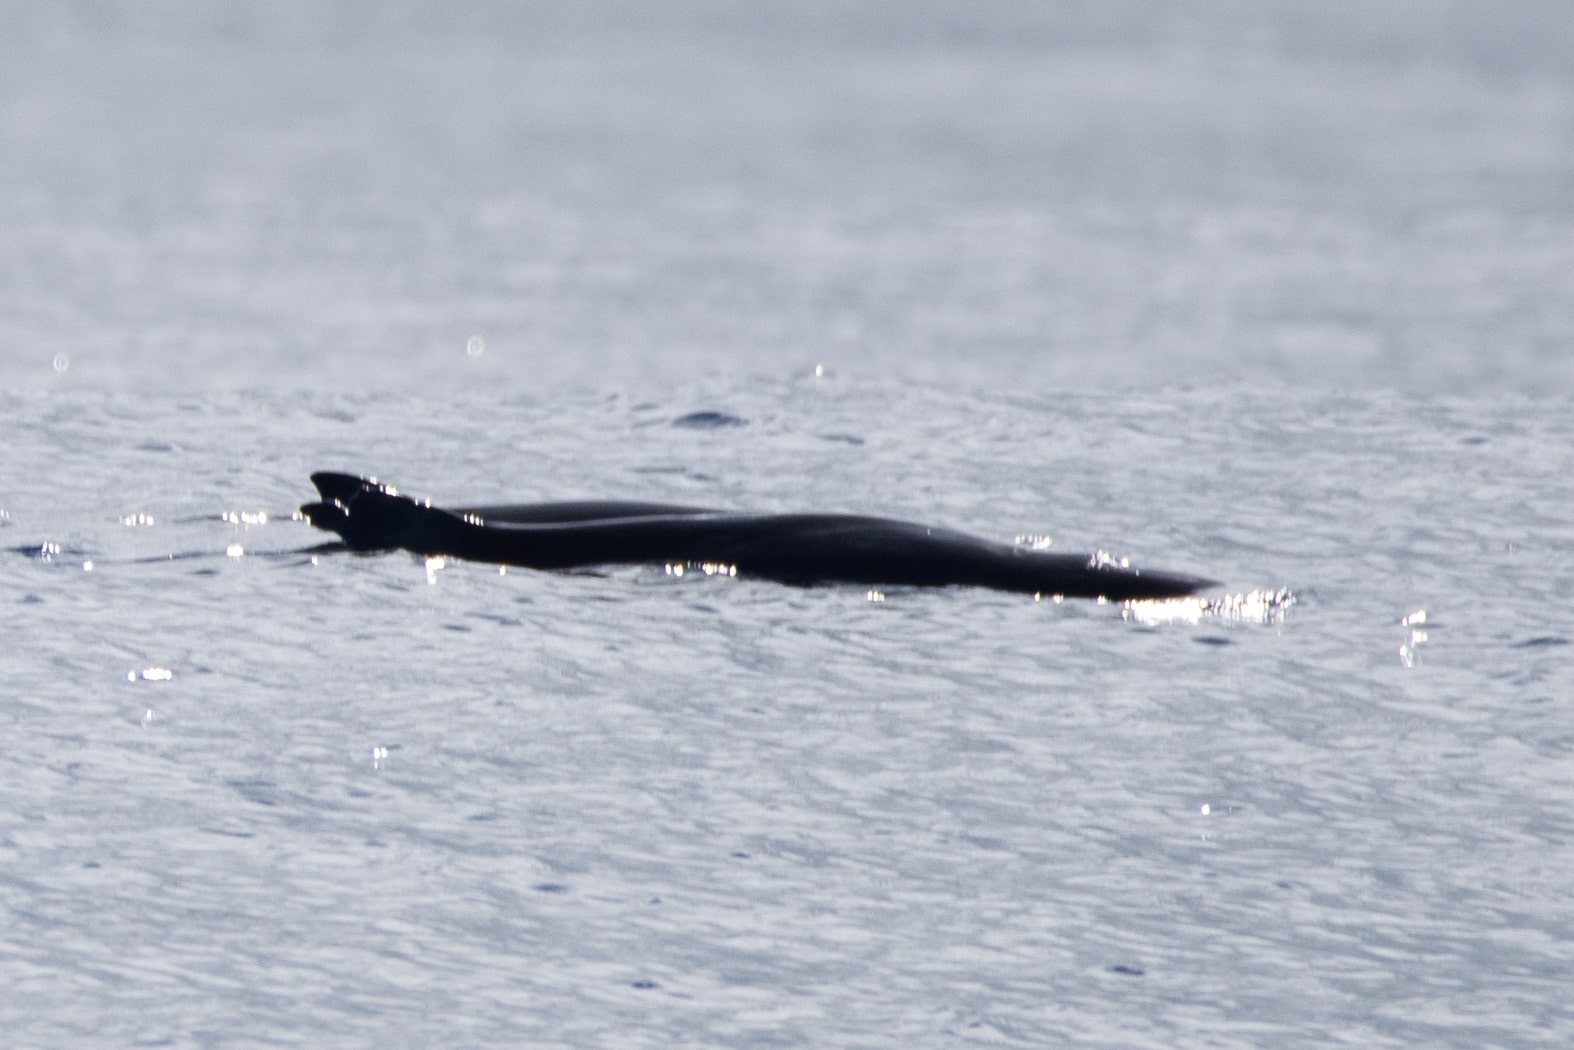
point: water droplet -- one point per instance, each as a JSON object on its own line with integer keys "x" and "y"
{"x": 476, "y": 346}
{"x": 62, "y": 363}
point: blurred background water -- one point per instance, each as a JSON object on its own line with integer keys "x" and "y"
{"x": 1276, "y": 294}
{"x": 1069, "y": 194}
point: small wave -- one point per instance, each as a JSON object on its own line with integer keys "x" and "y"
{"x": 710, "y": 421}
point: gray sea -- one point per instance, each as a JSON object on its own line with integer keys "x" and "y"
{"x": 1282, "y": 295}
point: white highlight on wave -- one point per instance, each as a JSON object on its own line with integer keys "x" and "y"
{"x": 1414, "y": 639}
{"x": 1259, "y": 606}
{"x": 709, "y": 568}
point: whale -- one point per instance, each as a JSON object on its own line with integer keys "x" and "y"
{"x": 794, "y": 549}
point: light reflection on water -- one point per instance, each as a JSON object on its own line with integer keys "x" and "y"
{"x": 1246, "y": 607}
{"x": 1415, "y": 637}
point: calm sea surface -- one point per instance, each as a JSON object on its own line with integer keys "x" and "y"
{"x": 1281, "y": 298}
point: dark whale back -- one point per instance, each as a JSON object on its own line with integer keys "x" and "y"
{"x": 790, "y": 548}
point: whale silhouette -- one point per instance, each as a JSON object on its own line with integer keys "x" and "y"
{"x": 797, "y": 549}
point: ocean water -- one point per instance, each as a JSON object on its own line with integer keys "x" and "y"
{"x": 1280, "y": 297}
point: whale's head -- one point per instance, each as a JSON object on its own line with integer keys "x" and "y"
{"x": 369, "y": 516}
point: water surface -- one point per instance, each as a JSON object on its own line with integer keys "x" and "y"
{"x": 1280, "y": 296}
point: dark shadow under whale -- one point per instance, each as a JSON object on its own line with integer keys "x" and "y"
{"x": 799, "y": 549}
